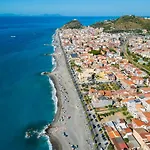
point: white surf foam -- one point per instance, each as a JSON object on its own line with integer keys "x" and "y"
{"x": 54, "y": 64}
{"x": 43, "y": 134}
{"x": 54, "y": 97}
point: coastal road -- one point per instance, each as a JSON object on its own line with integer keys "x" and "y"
{"x": 70, "y": 127}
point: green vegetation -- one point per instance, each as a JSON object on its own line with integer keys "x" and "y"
{"x": 133, "y": 58}
{"x": 124, "y": 108}
{"x": 112, "y": 50}
{"x": 74, "y": 24}
{"x": 125, "y": 113}
{"x": 95, "y": 52}
{"x": 72, "y": 63}
{"x": 125, "y": 23}
{"x": 121, "y": 54}
{"x": 87, "y": 99}
{"x": 129, "y": 117}
{"x": 126, "y": 140}
{"x": 110, "y": 147}
{"x": 98, "y": 52}
{"x": 79, "y": 69}
{"x": 111, "y": 110}
{"x": 108, "y": 86}
{"x": 116, "y": 65}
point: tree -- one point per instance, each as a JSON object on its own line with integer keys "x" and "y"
{"x": 126, "y": 140}
{"x": 124, "y": 113}
{"x": 110, "y": 147}
{"x": 121, "y": 54}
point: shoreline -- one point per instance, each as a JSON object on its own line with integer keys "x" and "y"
{"x": 54, "y": 141}
{"x": 69, "y": 126}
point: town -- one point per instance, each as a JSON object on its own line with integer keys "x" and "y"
{"x": 111, "y": 74}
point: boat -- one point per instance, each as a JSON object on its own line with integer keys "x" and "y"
{"x": 12, "y": 36}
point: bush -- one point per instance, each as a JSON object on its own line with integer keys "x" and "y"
{"x": 95, "y": 52}
{"x": 126, "y": 140}
{"x": 110, "y": 147}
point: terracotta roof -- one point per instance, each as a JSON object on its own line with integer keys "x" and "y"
{"x": 127, "y": 99}
{"x": 128, "y": 130}
{"x": 108, "y": 128}
{"x": 147, "y": 115}
{"x": 129, "y": 82}
{"x": 113, "y": 134}
{"x": 145, "y": 135}
{"x": 136, "y": 78}
{"x": 120, "y": 76}
{"x": 138, "y": 122}
{"x": 92, "y": 90}
{"x": 148, "y": 137}
{"x": 148, "y": 101}
{"x": 140, "y": 130}
{"x": 101, "y": 92}
{"x": 146, "y": 95}
{"x": 108, "y": 93}
{"x": 138, "y": 107}
{"x": 145, "y": 89}
{"x": 123, "y": 145}
{"x": 119, "y": 143}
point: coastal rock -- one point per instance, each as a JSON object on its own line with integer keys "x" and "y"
{"x": 47, "y": 54}
{"x": 45, "y": 73}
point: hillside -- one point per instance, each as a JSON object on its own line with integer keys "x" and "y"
{"x": 74, "y": 24}
{"x": 124, "y": 23}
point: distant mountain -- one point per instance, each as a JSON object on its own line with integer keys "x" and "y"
{"x": 124, "y": 23}
{"x": 53, "y": 15}
{"x": 74, "y": 24}
{"x": 8, "y": 14}
{"x": 11, "y": 14}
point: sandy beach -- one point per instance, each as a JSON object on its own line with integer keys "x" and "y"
{"x": 69, "y": 126}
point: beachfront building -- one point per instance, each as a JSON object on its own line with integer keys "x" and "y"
{"x": 106, "y": 78}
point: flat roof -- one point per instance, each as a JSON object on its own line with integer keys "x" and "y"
{"x": 74, "y": 55}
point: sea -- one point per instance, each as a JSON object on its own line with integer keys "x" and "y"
{"x": 27, "y": 99}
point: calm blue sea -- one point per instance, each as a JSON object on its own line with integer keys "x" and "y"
{"x": 25, "y": 96}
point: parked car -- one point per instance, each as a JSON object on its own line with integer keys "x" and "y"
{"x": 98, "y": 126}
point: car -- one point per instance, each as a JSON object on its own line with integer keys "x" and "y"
{"x": 94, "y": 116}
{"x": 74, "y": 147}
{"x": 95, "y": 141}
{"x": 96, "y": 120}
{"x": 104, "y": 138}
{"x": 99, "y": 144}
{"x": 100, "y": 129}
{"x": 98, "y": 126}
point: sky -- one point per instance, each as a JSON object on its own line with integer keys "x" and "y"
{"x": 76, "y": 7}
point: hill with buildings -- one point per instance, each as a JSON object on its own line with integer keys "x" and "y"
{"x": 124, "y": 23}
